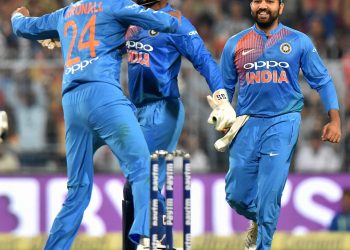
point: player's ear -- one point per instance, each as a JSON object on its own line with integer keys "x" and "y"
{"x": 251, "y": 12}
{"x": 281, "y": 9}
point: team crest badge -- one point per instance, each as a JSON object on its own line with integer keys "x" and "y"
{"x": 285, "y": 48}
{"x": 153, "y": 33}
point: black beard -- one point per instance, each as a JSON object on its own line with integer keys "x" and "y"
{"x": 265, "y": 24}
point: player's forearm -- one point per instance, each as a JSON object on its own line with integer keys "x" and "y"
{"x": 205, "y": 64}
{"x": 31, "y": 28}
{"x": 334, "y": 116}
{"x": 328, "y": 96}
{"x": 210, "y": 70}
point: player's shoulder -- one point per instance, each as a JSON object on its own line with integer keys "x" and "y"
{"x": 297, "y": 34}
{"x": 186, "y": 27}
{"x": 112, "y": 5}
{"x": 240, "y": 35}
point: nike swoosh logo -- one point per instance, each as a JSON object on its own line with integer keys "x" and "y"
{"x": 245, "y": 52}
{"x": 273, "y": 154}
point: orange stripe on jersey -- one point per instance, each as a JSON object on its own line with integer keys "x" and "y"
{"x": 275, "y": 38}
{"x": 249, "y": 48}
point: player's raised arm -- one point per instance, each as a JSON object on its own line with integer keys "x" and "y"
{"x": 190, "y": 45}
{"x": 319, "y": 79}
{"x": 146, "y": 18}
{"x": 34, "y": 28}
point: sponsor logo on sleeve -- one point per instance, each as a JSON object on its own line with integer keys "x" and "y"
{"x": 132, "y": 6}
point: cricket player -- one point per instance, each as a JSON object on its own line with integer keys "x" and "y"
{"x": 95, "y": 110}
{"x": 154, "y": 61}
{"x": 264, "y": 62}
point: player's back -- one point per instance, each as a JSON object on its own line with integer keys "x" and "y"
{"x": 89, "y": 35}
{"x": 90, "y": 32}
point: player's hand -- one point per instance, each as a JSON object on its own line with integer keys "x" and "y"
{"x": 22, "y": 10}
{"x": 222, "y": 144}
{"x": 4, "y": 126}
{"x": 176, "y": 14}
{"x": 223, "y": 114}
{"x": 332, "y": 131}
{"x": 50, "y": 43}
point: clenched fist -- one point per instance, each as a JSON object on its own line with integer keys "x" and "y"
{"x": 22, "y": 10}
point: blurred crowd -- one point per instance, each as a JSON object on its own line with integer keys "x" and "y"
{"x": 30, "y": 87}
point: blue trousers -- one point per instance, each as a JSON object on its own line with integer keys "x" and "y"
{"x": 161, "y": 123}
{"x": 260, "y": 157}
{"x": 97, "y": 114}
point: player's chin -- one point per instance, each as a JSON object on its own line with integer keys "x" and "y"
{"x": 264, "y": 22}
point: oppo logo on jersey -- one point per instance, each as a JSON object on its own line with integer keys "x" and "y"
{"x": 79, "y": 66}
{"x": 266, "y": 75}
{"x": 139, "y": 46}
{"x": 265, "y": 64}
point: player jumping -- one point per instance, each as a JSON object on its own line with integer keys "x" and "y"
{"x": 96, "y": 112}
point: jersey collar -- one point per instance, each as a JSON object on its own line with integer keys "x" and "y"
{"x": 274, "y": 31}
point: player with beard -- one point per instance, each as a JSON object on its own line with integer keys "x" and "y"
{"x": 265, "y": 61}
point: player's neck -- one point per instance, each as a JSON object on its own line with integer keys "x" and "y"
{"x": 268, "y": 30}
{"x": 160, "y": 5}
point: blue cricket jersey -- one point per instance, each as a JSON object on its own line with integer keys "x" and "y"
{"x": 90, "y": 32}
{"x": 266, "y": 70}
{"x": 154, "y": 61}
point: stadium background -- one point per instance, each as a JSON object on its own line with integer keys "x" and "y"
{"x": 32, "y": 161}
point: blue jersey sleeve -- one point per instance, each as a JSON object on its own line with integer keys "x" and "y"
{"x": 228, "y": 68}
{"x": 134, "y": 14}
{"x": 36, "y": 28}
{"x": 317, "y": 75}
{"x": 190, "y": 45}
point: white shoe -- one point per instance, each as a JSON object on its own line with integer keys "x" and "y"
{"x": 252, "y": 235}
{"x": 145, "y": 245}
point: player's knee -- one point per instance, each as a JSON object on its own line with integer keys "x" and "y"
{"x": 127, "y": 192}
{"x": 234, "y": 198}
{"x": 241, "y": 208}
{"x": 79, "y": 194}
